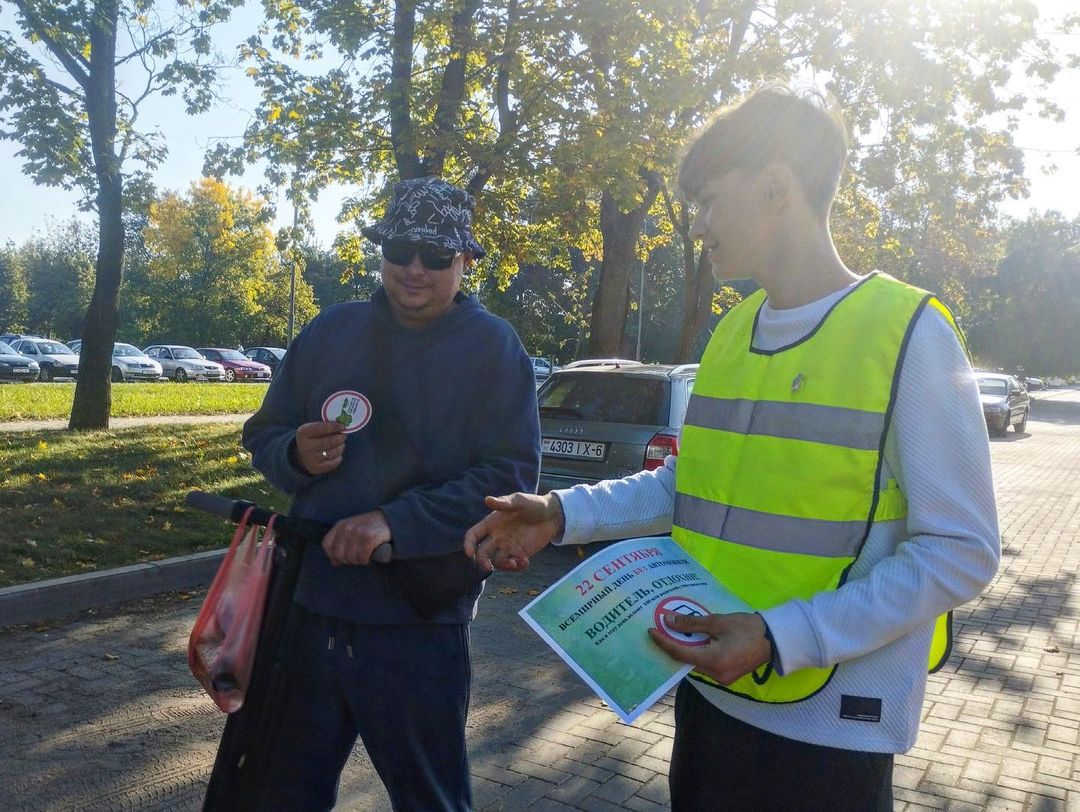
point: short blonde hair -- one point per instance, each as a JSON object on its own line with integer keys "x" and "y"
{"x": 774, "y": 124}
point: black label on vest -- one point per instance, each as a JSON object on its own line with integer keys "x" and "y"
{"x": 860, "y": 708}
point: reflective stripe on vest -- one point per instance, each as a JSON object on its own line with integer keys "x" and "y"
{"x": 779, "y": 476}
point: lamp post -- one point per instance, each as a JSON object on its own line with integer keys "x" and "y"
{"x": 641, "y": 298}
{"x": 292, "y": 275}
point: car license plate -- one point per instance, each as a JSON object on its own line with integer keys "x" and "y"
{"x": 20, "y": 370}
{"x": 579, "y": 449}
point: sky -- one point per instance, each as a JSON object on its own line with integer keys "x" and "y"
{"x": 1050, "y": 148}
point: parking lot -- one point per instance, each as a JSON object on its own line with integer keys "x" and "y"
{"x": 100, "y": 712}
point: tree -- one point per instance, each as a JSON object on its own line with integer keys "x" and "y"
{"x": 213, "y": 273}
{"x": 455, "y": 90}
{"x": 59, "y": 273}
{"x": 918, "y": 83}
{"x": 13, "y": 291}
{"x": 1026, "y": 314}
{"x": 64, "y": 99}
{"x": 569, "y": 117}
{"x": 333, "y": 280}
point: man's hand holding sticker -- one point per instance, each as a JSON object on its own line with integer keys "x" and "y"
{"x": 320, "y": 446}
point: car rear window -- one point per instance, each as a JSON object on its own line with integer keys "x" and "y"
{"x": 605, "y": 398}
{"x": 992, "y": 386}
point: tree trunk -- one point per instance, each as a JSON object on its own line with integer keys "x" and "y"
{"x": 611, "y": 304}
{"x": 697, "y": 305}
{"x": 93, "y": 394}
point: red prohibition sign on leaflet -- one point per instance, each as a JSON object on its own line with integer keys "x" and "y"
{"x": 681, "y": 606}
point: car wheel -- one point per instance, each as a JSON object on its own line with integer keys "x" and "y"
{"x": 180, "y": 375}
{"x": 1021, "y": 427}
{"x": 46, "y": 373}
{"x": 117, "y": 375}
{"x": 230, "y": 375}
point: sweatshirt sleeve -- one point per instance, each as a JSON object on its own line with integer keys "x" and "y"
{"x": 941, "y": 459}
{"x": 638, "y": 505}
{"x": 431, "y": 520}
{"x": 270, "y": 431}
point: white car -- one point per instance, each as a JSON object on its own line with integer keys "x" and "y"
{"x": 129, "y": 363}
{"x": 55, "y": 359}
{"x": 184, "y": 363}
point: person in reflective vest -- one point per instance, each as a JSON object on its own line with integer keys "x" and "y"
{"x": 834, "y": 472}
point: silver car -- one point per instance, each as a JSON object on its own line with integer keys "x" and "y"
{"x": 184, "y": 363}
{"x": 55, "y": 359}
{"x": 132, "y": 364}
{"x": 610, "y": 418}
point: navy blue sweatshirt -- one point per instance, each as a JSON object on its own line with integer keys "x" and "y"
{"x": 453, "y": 419}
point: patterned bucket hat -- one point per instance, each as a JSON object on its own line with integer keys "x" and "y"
{"x": 428, "y": 210}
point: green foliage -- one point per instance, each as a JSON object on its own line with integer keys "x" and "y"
{"x": 13, "y": 291}
{"x": 213, "y": 276}
{"x": 1026, "y": 313}
{"x": 58, "y": 268}
{"x": 47, "y": 70}
{"x": 334, "y": 280}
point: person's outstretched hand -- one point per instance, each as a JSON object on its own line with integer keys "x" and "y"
{"x": 519, "y": 526}
{"x": 736, "y": 647}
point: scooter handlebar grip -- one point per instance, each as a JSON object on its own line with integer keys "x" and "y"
{"x": 211, "y": 503}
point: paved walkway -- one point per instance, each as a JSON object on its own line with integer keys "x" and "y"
{"x": 101, "y": 713}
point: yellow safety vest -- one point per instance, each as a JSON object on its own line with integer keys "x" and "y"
{"x": 779, "y": 474}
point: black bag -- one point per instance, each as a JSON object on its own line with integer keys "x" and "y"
{"x": 431, "y": 585}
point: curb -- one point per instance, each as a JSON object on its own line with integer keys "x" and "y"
{"x": 46, "y": 600}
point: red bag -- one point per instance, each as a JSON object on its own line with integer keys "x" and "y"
{"x": 221, "y": 649}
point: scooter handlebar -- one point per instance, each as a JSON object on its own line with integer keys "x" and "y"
{"x": 303, "y": 529}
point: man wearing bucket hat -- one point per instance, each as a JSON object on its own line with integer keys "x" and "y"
{"x": 381, "y": 423}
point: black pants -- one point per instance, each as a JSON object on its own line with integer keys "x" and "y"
{"x": 404, "y": 690}
{"x": 723, "y": 765}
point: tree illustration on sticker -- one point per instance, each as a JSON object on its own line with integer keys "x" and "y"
{"x": 348, "y": 409}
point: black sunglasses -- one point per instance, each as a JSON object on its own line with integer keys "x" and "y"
{"x": 432, "y": 257}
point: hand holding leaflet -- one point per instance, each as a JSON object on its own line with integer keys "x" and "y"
{"x": 598, "y": 616}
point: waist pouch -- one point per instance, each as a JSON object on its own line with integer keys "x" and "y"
{"x": 431, "y": 585}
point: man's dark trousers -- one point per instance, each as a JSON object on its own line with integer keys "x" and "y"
{"x": 403, "y": 689}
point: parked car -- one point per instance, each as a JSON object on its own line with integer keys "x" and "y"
{"x": 74, "y": 345}
{"x": 271, "y": 356}
{"x": 604, "y": 421}
{"x": 542, "y": 368}
{"x": 56, "y": 360}
{"x": 602, "y": 362}
{"x": 184, "y": 364}
{"x": 132, "y": 364}
{"x": 1033, "y": 384}
{"x": 237, "y": 365}
{"x": 1005, "y": 402}
{"x": 8, "y": 338}
{"x": 16, "y": 367}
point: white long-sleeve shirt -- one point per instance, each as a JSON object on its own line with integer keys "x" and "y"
{"x": 878, "y": 625}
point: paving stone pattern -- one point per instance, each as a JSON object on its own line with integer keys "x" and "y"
{"x": 100, "y": 712}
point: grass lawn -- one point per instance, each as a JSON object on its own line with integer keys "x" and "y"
{"x": 74, "y": 502}
{"x": 43, "y": 401}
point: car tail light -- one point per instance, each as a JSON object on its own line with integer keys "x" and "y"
{"x": 658, "y": 448}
